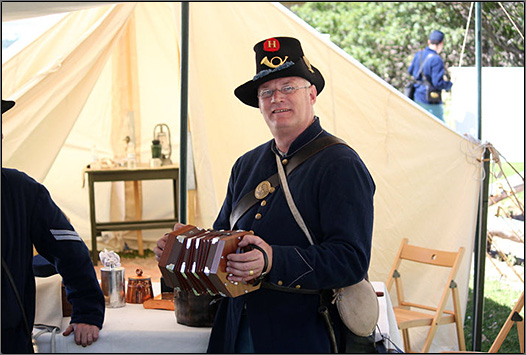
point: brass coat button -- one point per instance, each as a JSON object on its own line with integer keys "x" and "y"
{"x": 285, "y": 161}
{"x": 298, "y": 286}
{"x": 280, "y": 283}
{"x": 263, "y": 203}
{"x": 258, "y": 216}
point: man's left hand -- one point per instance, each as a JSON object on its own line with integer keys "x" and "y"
{"x": 85, "y": 334}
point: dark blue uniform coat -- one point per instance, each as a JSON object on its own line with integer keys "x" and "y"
{"x": 333, "y": 191}
{"x": 433, "y": 70}
{"x": 30, "y": 217}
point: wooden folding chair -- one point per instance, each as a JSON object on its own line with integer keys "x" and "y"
{"x": 405, "y": 313}
{"x": 513, "y": 318}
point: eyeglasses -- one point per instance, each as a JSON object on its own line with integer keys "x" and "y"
{"x": 265, "y": 94}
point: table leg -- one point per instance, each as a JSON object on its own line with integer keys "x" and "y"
{"x": 138, "y": 216}
{"x": 94, "y": 254}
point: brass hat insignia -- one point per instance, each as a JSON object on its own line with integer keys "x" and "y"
{"x": 308, "y": 64}
{"x": 270, "y": 63}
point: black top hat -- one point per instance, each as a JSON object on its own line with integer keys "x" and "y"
{"x": 278, "y": 57}
{"x": 6, "y": 105}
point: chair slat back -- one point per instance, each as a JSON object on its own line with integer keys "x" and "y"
{"x": 409, "y": 318}
{"x": 429, "y": 256}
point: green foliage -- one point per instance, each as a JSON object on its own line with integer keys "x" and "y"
{"x": 508, "y": 170}
{"x": 498, "y": 302}
{"x": 384, "y": 36}
{"x": 508, "y": 206}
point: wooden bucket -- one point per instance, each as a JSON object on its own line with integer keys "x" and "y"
{"x": 195, "y": 311}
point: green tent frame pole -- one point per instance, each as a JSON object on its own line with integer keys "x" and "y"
{"x": 478, "y": 64}
{"x": 480, "y": 257}
{"x": 482, "y": 218}
{"x": 183, "y": 151}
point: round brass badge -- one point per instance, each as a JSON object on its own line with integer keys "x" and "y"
{"x": 262, "y": 190}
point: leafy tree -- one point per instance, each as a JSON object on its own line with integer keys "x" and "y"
{"x": 384, "y": 36}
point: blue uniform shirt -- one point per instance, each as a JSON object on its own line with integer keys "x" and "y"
{"x": 30, "y": 217}
{"x": 333, "y": 191}
{"x": 433, "y": 70}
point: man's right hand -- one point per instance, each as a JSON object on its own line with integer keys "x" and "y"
{"x": 161, "y": 243}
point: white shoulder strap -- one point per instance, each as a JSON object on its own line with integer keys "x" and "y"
{"x": 290, "y": 200}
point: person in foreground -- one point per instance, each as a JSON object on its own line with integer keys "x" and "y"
{"x": 428, "y": 65}
{"x": 333, "y": 191}
{"x": 30, "y": 217}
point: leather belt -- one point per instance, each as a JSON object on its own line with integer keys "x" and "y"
{"x": 304, "y": 291}
{"x": 249, "y": 199}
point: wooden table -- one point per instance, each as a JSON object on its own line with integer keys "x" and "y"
{"x": 170, "y": 172}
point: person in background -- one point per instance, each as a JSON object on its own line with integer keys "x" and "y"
{"x": 432, "y": 72}
{"x": 31, "y": 218}
{"x": 332, "y": 190}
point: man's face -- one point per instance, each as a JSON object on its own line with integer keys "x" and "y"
{"x": 440, "y": 46}
{"x": 288, "y": 114}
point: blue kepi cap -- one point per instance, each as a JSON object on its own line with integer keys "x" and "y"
{"x": 436, "y": 36}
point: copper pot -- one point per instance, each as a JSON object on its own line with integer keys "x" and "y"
{"x": 139, "y": 288}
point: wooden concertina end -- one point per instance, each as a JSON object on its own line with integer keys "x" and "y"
{"x": 194, "y": 261}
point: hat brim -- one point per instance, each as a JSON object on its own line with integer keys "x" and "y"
{"x": 248, "y": 92}
{"x": 7, "y": 105}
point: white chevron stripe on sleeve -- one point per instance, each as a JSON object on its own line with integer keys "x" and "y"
{"x": 65, "y": 234}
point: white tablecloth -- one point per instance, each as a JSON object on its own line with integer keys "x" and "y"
{"x": 387, "y": 320}
{"x": 134, "y": 329}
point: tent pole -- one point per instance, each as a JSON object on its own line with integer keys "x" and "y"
{"x": 478, "y": 64}
{"x": 481, "y": 235}
{"x": 183, "y": 151}
{"x": 480, "y": 257}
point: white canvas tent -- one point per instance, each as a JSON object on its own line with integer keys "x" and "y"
{"x": 104, "y": 72}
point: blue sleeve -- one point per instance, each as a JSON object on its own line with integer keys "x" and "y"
{"x": 223, "y": 219}
{"x": 57, "y": 241}
{"x": 436, "y": 67}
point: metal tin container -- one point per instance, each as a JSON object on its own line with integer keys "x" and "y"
{"x": 112, "y": 283}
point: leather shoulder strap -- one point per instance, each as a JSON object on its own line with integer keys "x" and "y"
{"x": 249, "y": 199}
{"x": 422, "y": 65}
